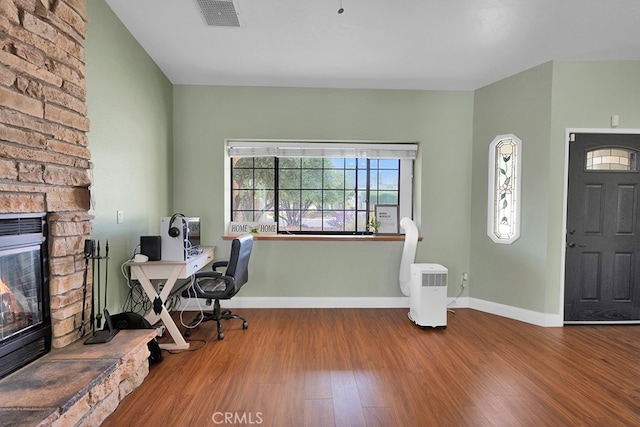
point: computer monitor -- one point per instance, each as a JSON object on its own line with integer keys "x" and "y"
{"x": 194, "y": 231}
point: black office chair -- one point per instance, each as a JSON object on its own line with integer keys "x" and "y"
{"x": 215, "y": 285}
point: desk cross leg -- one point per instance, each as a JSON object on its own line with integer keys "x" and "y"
{"x": 158, "y": 300}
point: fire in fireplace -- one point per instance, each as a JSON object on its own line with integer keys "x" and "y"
{"x": 25, "y": 323}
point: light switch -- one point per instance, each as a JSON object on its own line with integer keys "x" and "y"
{"x": 120, "y": 217}
{"x": 615, "y": 120}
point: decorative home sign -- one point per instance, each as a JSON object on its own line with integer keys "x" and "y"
{"x": 387, "y": 216}
{"x": 503, "y": 219}
{"x": 253, "y": 228}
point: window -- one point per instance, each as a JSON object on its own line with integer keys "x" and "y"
{"x": 318, "y": 187}
{"x": 503, "y": 219}
{"x": 611, "y": 159}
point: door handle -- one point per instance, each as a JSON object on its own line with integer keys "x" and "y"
{"x": 573, "y": 245}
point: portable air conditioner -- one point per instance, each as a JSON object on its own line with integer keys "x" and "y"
{"x": 428, "y": 297}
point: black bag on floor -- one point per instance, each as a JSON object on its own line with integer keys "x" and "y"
{"x": 130, "y": 320}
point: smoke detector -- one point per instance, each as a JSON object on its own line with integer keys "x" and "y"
{"x": 219, "y": 13}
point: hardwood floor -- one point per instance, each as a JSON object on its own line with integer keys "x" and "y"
{"x": 373, "y": 367}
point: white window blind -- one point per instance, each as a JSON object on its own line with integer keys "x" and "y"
{"x": 369, "y": 150}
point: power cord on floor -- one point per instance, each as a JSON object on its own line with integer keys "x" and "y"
{"x": 463, "y": 280}
{"x": 204, "y": 342}
{"x": 184, "y": 306}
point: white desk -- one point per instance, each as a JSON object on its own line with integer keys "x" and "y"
{"x": 170, "y": 271}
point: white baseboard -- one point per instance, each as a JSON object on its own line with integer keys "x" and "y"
{"x": 523, "y": 315}
{"x": 305, "y": 302}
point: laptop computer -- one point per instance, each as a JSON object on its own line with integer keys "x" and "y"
{"x": 106, "y": 334}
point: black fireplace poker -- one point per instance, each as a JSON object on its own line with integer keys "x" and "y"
{"x": 106, "y": 271}
{"x": 88, "y": 253}
{"x": 99, "y": 315}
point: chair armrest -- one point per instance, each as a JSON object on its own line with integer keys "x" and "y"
{"x": 218, "y": 264}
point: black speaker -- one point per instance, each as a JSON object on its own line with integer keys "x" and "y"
{"x": 151, "y": 246}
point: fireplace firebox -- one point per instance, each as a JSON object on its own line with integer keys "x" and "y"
{"x": 25, "y": 322}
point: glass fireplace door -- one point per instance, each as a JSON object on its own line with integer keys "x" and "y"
{"x": 20, "y": 290}
{"x": 25, "y": 321}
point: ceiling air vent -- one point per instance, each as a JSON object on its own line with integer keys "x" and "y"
{"x": 219, "y": 13}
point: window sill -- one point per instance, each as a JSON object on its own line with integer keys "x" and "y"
{"x": 324, "y": 238}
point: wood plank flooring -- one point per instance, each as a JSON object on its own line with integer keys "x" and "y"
{"x": 373, "y": 367}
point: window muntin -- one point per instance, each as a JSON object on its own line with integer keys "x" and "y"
{"x": 253, "y": 192}
{"x": 312, "y": 194}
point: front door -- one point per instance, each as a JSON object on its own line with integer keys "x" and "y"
{"x": 602, "y": 272}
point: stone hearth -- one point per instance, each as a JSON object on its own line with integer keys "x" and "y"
{"x": 79, "y": 385}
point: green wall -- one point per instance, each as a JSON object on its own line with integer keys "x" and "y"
{"x": 513, "y": 274}
{"x": 538, "y": 106}
{"x": 204, "y": 116}
{"x": 130, "y": 107}
{"x": 158, "y": 149}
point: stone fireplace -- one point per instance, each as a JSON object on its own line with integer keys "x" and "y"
{"x": 44, "y": 158}
{"x": 44, "y": 168}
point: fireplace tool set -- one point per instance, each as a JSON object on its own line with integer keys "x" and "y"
{"x": 99, "y": 336}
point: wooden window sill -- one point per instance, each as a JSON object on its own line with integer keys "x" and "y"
{"x": 327, "y": 238}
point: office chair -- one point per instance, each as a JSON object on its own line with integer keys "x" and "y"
{"x": 215, "y": 285}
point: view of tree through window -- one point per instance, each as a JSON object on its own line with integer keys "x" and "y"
{"x": 318, "y": 195}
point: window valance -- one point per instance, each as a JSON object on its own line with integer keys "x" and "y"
{"x": 369, "y": 150}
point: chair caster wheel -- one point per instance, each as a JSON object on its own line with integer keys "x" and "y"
{"x": 245, "y": 325}
{"x": 220, "y": 336}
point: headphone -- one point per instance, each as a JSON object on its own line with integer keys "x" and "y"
{"x": 174, "y": 231}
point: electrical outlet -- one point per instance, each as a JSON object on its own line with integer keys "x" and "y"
{"x": 464, "y": 278}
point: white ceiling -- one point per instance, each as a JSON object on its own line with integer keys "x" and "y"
{"x": 387, "y": 44}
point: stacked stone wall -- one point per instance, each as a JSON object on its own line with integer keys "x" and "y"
{"x": 44, "y": 154}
